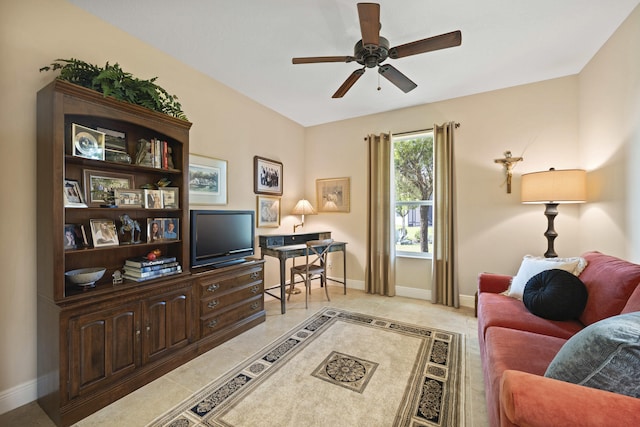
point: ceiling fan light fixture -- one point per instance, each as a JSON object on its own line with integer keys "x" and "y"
{"x": 372, "y": 50}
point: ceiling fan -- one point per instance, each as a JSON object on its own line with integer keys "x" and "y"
{"x": 374, "y": 49}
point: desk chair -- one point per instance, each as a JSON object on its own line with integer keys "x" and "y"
{"x": 313, "y": 268}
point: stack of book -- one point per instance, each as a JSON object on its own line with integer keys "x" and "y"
{"x": 141, "y": 268}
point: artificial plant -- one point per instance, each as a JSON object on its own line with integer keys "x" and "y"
{"x": 114, "y": 82}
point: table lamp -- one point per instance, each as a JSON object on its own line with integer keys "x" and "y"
{"x": 553, "y": 187}
{"x": 303, "y": 207}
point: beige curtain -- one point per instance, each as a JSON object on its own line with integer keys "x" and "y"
{"x": 380, "y": 272}
{"x": 445, "y": 289}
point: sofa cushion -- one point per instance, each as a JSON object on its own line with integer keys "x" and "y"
{"x": 555, "y": 294}
{"x": 610, "y": 281}
{"x": 531, "y": 266}
{"x": 633, "y": 303}
{"x": 604, "y": 355}
{"x": 500, "y": 310}
{"x": 511, "y": 349}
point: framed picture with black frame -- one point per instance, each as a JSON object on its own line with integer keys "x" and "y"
{"x": 267, "y": 176}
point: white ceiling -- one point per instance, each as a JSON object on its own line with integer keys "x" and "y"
{"x": 248, "y": 46}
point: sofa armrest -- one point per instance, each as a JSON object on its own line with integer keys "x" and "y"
{"x": 494, "y": 283}
{"x": 533, "y": 400}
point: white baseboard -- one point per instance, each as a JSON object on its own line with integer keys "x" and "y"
{"x": 18, "y": 396}
{"x": 405, "y": 291}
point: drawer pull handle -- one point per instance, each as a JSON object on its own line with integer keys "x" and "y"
{"x": 254, "y": 289}
{"x": 255, "y": 305}
{"x": 213, "y": 288}
{"x": 213, "y": 304}
{"x": 255, "y": 275}
{"x": 212, "y": 323}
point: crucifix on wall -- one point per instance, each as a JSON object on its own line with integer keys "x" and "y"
{"x": 508, "y": 162}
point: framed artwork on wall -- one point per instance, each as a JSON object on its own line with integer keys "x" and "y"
{"x": 333, "y": 194}
{"x": 267, "y": 176}
{"x": 268, "y": 211}
{"x": 207, "y": 180}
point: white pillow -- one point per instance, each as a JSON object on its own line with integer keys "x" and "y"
{"x": 532, "y": 265}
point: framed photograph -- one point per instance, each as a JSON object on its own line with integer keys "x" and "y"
{"x": 152, "y": 199}
{"x": 207, "y": 180}
{"x": 268, "y": 211}
{"x": 170, "y": 199}
{"x": 267, "y": 176}
{"x": 163, "y": 229}
{"x": 103, "y": 233}
{"x": 171, "y": 228}
{"x": 87, "y": 142}
{"x": 128, "y": 198}
{"x": 74, "y": 236}
{"x": 333, "y": 194}
{"x": 100, "y": 186}
{"x": 73, "y": 194}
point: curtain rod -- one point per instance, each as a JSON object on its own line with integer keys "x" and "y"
{"x": 457, "y": 125}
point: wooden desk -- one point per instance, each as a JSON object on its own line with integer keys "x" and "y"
{"x": 288, "y": 246}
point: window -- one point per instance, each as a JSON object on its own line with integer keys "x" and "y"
{"x": 413, "y": 161}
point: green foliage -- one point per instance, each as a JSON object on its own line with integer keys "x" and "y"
{"x": 414, "y": 166}
{"x": 114, "y": 82}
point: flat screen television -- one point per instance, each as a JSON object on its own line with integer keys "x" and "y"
{"x": 220, "y": 238}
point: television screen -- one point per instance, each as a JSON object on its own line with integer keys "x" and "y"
{"x": 220, "y": 238}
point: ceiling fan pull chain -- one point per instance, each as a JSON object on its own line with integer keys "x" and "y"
{"x": 379, "y": 88}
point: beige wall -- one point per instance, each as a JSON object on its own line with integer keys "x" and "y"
{"x": 560, "y": 123}
{"x": 538, "y": 121}
{"x": 610, "y": 144}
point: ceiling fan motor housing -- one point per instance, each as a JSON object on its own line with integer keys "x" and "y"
{"x": 371, "y": 55}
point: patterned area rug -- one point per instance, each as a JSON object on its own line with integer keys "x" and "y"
{"x": 338, "y": 368}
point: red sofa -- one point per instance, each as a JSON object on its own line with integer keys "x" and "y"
{"x": 516, "y": 347}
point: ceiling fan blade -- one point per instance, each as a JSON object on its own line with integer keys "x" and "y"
{"x": 442, "y": 41}
{"x": 351, "y": 80}
{"x": 397, "y": 78}
{"x": 317, "y": 59}
{"x": 369, "y": 14}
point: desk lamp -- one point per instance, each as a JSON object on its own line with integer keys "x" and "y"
{"x": 553, "y": 187}
{"x": 303, "y": 207}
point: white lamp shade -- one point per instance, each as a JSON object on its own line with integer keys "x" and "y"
{"x": 555, "y": 186}
{"x": 303, "y": 207}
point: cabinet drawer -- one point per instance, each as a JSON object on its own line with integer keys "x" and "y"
{"x": 218, "y": 322}
{"x": 215, "y": 285}
{"x": 221, "y": 301}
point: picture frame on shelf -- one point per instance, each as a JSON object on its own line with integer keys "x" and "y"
{"x": 100, "y": 186}
{"x": 171, "y": 228}
{"x": 152, "y": 199}
{"x": 74, "y": 236}
{"x": 268, "y": 211}
{"x": 163, "y": 229}
{"x": 73, "y": 197}
{"x": 87, "y": 143}
{"x": 128, "y": 198}
{"x": 333, "y": 194}
{"x": 207, "y": 180}
{"x": 103, "y": 233}
{"x": 267, "y": 176}
{"x": 170, "y": 197}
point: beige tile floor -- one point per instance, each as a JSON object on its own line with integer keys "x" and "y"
{"x": 146, "y": 403}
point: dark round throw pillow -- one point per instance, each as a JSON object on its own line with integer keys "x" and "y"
{"x": 555, "y": 295}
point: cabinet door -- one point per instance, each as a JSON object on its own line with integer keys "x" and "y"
{"x": 167, "y": 327}
{"x": 103, "y": 348}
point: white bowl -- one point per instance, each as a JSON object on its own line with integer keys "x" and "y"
{"x": 85, "y": 276}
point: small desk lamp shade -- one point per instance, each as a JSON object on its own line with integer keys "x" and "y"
{"x": 303, "y": 207}
{"x": 553, "y": 187}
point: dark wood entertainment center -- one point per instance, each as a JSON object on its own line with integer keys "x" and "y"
{"x": 100, "y": 343}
